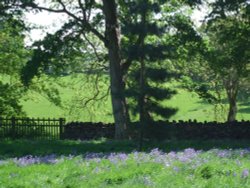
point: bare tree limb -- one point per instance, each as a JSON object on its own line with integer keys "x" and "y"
{"x": 93, "y": 46}
{"x": 83, "y": 10}
{"x": 85, "y": 24}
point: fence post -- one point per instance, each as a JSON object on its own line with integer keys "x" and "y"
{"x": 13, "y": 123}
{"x": 61, "y": 124}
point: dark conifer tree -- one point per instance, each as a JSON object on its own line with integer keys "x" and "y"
{"x": 142, "y": 44}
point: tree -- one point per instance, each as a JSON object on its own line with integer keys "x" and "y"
{"x": 221, "y": 55}
{"x": 13, "y": 57}
{"x": 112, "y": 31}
{"x": 228, "y": 54}
{"x": 146, "y": 51}
{"x": 81, "y": 21}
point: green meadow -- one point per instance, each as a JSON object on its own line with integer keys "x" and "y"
{"x": 76, "y": 90}
{"x": 106, "y": 163}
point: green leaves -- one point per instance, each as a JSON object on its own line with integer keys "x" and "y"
{"x": 13, "y": 54}
{"x": 10, "y": 100}
{"x": 13, "y": 57}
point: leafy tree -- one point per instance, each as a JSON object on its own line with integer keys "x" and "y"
{"x": 81, "y": 22}
{"x": 228, "y": 54}
{"x": 106, "y": 27}
{"x": 220, "y": 61}
{"x": 13, "y": 57}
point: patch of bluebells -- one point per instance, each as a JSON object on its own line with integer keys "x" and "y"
{"x": 188, "y": 156}
{"x": 230, "y": 153}
{"x": 224, "y": 153}
{"x": 116, "y": 158}
{"x": 245, "y": 173}
{"x": 90, "y": 156}
{"x": 30, "y": 160}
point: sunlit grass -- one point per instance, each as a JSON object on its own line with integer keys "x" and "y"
{"x": 75, "y": 88}
{"x": 106, "y": 163}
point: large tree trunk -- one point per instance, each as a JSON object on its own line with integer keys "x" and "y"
{"x": 112, "y": 33}
{"x": 231, "y": 86}
{"x": 232, "y": 109}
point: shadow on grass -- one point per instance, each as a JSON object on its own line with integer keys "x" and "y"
{"x": 244, "y": 110}
{"x": 244, "y": 103}
{"x": 19, "y": 148}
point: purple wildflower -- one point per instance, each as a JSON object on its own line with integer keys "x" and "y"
{"x": 122, "y": 156}
{"x": 155, "y": 152}
{"x": 29, "y": 160}
{"x": 115, "y": 158}
{"x": 184, "y": 158}
{"x": 172, "y": 155}
{"x": 190, "y": 151}
{"x": 224, "y": 153}
{"x": 90, "y": 156}
{"x": 245, "y": 173}
{"x": 187, "y": 155}
{"x": 141, "y": 157}
{"x": 176, "y": 169}
{"x": 26, "y": 160}
{"x": 49, "y": 159}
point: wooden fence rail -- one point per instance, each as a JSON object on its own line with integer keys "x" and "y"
{"x": 31, "y": 128}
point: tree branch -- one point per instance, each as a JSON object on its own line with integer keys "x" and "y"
{"x": 69, "y": 13}
{"x": 83, "y": 10}
{"x": 93, "y": 46}
{"x": 82, "y": 22}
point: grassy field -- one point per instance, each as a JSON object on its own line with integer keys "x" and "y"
{"x": 76, "y": 90}
{"x": 106, "y": 163}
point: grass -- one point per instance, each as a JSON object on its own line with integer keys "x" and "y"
{"x": 107, "y": 163}
{"x": 18, "y": 148}
{"x": 76, "y": 89}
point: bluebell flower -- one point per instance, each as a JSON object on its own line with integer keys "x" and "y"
{"x": 245, "y": 173}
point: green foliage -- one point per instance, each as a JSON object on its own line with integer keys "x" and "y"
{"x": 229, "y": 43}
{"x": 155, "y": 92}
{"x": 218, "y": 59}
{"x": 13, "y": 56}
{"x": 144, "y": 49}
{"x": 10, "y": 100}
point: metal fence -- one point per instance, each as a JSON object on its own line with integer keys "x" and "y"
{"x": 31, "y": 128}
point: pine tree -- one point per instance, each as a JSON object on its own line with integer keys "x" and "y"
{"x": 143, "y": 30}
